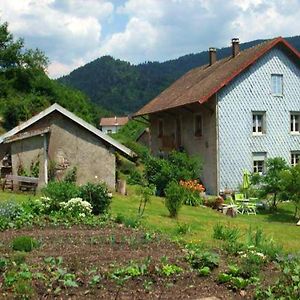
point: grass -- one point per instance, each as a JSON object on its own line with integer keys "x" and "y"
{"x": 281, "y": 226}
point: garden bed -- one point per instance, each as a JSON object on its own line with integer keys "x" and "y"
{"x": 97, "y": 258}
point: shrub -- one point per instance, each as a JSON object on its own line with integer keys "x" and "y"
{"x": 76, "y": 207}
{"x": 174, "y": 198}
{"x": 183, "y": 228}
{"x": 24, "y": 243}
{"x": 10, "y": 209}
{"x": 71, "y": 175}
{"x": 97, "y": 195}
{"x": 135, "y": 177}
{"x": 177, "y": 166}
{"x": 59, "y": 191}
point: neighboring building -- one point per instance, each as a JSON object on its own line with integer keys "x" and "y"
{"x": 234, "y": 113}
{"x": 112, "y": 125}
{"x": 144, "y": 138}
{"x": 57, "y": 141}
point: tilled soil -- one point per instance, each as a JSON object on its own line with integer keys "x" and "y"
{"x": 84, "y": 250}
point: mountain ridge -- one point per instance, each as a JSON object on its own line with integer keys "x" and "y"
{"x": 123, "y": 88}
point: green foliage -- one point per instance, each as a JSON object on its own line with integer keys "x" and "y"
{"x": 291, "y": 185}
{"x": 271, "y": 180}
{"x": 145, "y": 192}
{"x": 226, "y": 233}
{"x": 198, "y": 259}
{"x": 177, "y": 166}
{"x": 25, "y": 88}
{"x": 97, "y": 195}
{"x": 192, "y": 198}
{"x": 170, "y": 269}
{"x": 10, "y": 209}
{"x": 288, "y": 284}
{"x": 205, "y": 271}
{"x": 24, "y": 243}
{"x": 71, "y": 175}
{"x": 131, "y": 222}
{"x": 174, "y": 198}
{"x": 59, "y": 191}
{"x": 135, "y": 177}
{"x": 183, "y": 228}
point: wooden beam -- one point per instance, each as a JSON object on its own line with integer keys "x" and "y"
{"x": 26, "y": 135}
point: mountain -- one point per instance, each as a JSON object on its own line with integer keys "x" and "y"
{"x": 123, "y": 88}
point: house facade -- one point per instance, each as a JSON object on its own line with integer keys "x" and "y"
{"x": 57, "y": 141}
{"x": 234, "y": 113}
{"x": 113, "y": 125}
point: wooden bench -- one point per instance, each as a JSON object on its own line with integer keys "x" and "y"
{"x": 23, "y": 183}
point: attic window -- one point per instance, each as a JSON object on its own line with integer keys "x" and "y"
{"x": 277, "y": 84}
{"x": 198, "y": 126}
{"x": 160, "y": 128}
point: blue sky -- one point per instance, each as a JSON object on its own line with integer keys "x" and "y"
{"x": 74, "y": 32}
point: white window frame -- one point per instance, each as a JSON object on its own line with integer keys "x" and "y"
{"x": 255, "y": 123}
{"x": 295, "y": 119}
{"x": 195, "y": 126}
{"x": 295, "y": 158}
{"x": 277, "y": 84}
{"x": 259, "y": 159}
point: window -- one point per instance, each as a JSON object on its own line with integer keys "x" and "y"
{"x": 295, "y": 158}
{"x": 160, "y": 128}
{"x": 259, "y": 162}
{"x": 109, "y": 131}
{"x": 277, "y": 84}
{"x": 198, "y": 126}
{"x": 258, "y": 126}
{"x": 295, "y": 120}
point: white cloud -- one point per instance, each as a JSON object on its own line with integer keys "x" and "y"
{"x": 73, "y": 32}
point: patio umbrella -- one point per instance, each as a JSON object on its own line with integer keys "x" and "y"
{"x": 246, "y": 182}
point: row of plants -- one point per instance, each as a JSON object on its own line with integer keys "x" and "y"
{"x": 62, "y": 203}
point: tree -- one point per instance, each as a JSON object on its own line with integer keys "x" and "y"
{"x": 290, "y": 181}
{"x": 271, "y": 180}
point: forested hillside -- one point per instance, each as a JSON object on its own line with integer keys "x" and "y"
{"x": 124, "y": 88}
{"x": 25, "y": 88}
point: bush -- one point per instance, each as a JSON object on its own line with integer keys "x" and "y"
{"x": 177, "y": 166}
{"x": 97, "y": 195}
{"x": 76, "y": 207}
{"x": 71, "y": 175}
{"x": 135, "y": 177}
{"x": 10, "y": 209}
{"x": 24, "y": 243}
{"x": 174, "y": 198}
{"x": 200, "y": 259}
{"x": 59, "y": 191}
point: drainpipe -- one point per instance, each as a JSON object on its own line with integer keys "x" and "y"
{"x": 45, "y": 160}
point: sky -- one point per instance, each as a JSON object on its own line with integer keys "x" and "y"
{"x": 74, "y": 32}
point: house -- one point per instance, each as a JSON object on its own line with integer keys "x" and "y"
{"x": 56, "y": 140}
{"x": 112, "y": 125}
{"x": 144, "y": 138}
{"x": 234, "y": 113}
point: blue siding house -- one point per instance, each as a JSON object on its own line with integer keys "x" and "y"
{"x": 234, "y": 113}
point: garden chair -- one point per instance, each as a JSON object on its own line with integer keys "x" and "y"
{"x": 251, "y": 208}
{"x": 240, "y": 200}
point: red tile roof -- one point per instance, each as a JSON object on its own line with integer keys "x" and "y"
{"x": 199, "y": 84}
{"x": 114, "y": 121}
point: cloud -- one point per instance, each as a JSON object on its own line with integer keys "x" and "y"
{"x": 73, "y": 32}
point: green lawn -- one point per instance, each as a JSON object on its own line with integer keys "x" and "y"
{"x": 281, "y": 225}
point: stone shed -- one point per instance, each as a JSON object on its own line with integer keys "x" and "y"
{"x": 55, "y": 142}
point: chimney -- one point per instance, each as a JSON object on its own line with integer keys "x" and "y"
{"x": 116, "y": 120}
{"x": 235, "y": 46}
{"x": 212, "y": 55}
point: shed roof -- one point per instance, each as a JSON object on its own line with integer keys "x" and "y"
{"x": 79, "y": 121}
{"x": 114, "y": 121}
{"x": 199, "y": 84}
